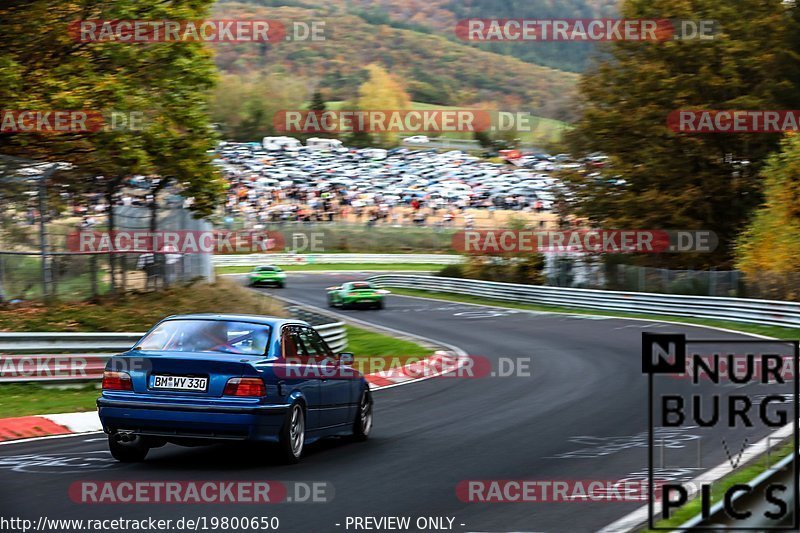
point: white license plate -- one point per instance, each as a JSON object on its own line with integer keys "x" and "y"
{"x": 180, "y": 383}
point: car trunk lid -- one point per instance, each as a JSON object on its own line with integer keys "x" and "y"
{"x": 182, "y": 373}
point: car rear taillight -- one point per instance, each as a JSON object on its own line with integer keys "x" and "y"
{"x": 245, "y": 387}
{"x": 116, "y": 381}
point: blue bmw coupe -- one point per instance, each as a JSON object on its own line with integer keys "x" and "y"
{"x": 200, "y": 379}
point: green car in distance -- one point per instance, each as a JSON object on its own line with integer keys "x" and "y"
{"x": 356, "y": 294}
{"x": 267, "y": 275}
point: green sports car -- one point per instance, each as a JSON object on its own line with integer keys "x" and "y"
{"x": 268, "y": 275}
{"x": 356, "y": 294}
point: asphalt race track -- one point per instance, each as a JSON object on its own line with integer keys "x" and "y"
{"x": 580, "y": 415}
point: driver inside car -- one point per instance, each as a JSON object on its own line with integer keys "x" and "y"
{"x": 212, "y": 338}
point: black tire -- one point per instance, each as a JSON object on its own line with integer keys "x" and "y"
{"x": 288, "y": 448}
{"x": 133, "y": 452}
{"x": 379, "y": 305}
{"x": 280, "y": 285}
{"x": 362, "y": 425}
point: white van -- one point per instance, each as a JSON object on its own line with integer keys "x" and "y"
{"x": 289, "y": 144}
{"x": 318, "y": 143}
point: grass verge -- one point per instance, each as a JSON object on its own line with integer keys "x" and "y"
{"x": 137, "y": 311}
{"x": 375, "y": 352}
{"x": 742, "y": 475}
{"x": 25, "y": 399}
{"x": 336, "y": 266}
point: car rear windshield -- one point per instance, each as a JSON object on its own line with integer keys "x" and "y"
{"x": 362, "y": 285}
{"x": 266, "y": 269}
{"x": 215, "y": 336}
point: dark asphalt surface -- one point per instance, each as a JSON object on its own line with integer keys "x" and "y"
{"x": 581, "y": 415}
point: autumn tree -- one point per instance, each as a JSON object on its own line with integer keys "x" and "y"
{"x": 165, "y": 84}
{"x": 246, "y": 104}
{"x": 770, "y": 247}
{"x": 382, "y": 92}
{"x": 658, "y": 178}
{"x": 48, "y": 69}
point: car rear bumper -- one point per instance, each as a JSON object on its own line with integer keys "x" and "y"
{"x": 274, "y": 281}
{"x": 363, "y": 300}
{"x": 214, "y": 422}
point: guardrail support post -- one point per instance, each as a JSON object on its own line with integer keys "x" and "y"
{"x": 43, "y": 245}
{"x": 93, "y": 274}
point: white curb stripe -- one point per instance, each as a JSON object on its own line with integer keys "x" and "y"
{"x": 77, "y": 422}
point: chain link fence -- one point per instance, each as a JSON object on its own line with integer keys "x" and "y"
{"x": 30, "y": 271}
{"x": 78, "y": 276}
{"x": 662, "y": 280}
{"x": 723, "y": 283}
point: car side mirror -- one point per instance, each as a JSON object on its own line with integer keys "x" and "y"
{"x": 346, "y": 358}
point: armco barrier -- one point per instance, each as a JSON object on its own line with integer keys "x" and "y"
{"x": 334, "y": 334}
{"x": 765, "y": 312}
{"x": 328, "y": 259}
{"x": 82, "y": 356}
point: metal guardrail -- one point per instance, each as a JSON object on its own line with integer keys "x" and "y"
{"x": 327, "y": 259}
{"x": 46, "y": 357}
{"x": 765, "y": 312}
{"x": 59, "y": 343}
{"x": 334, "y": 334}
{"x": 54, "y": 356}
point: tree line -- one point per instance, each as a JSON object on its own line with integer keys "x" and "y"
{"x": 743, "y": 186}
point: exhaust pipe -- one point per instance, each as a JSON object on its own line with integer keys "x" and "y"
{"x": 125, "y": 436}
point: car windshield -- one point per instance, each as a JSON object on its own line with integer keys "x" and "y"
{"x": 266, "y": 269}
{"x": 220, "y": 336}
